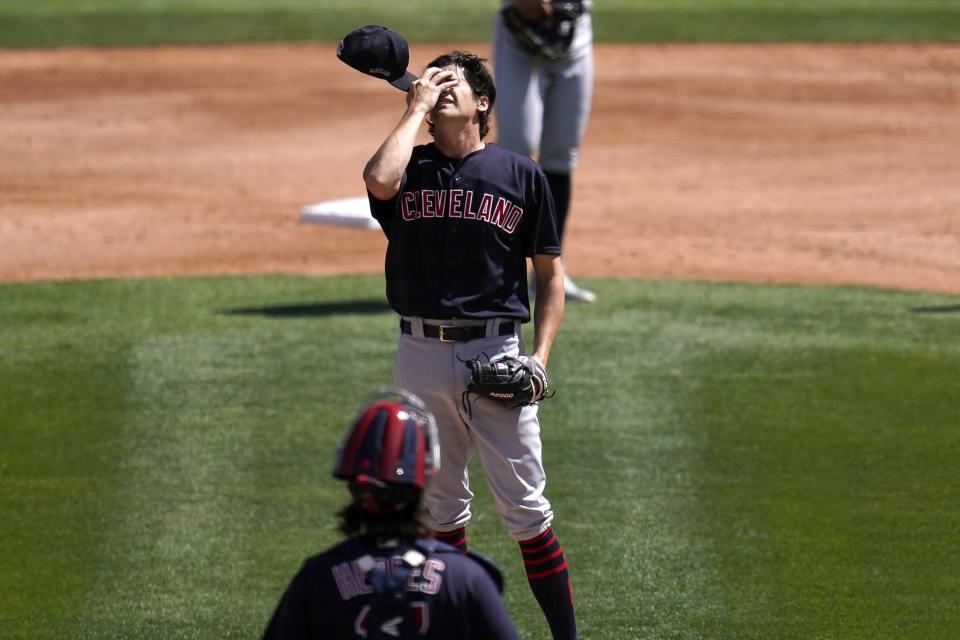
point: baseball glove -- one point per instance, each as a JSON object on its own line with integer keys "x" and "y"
{"x": 511, "y": 381}
{"x": 549, "y": 36}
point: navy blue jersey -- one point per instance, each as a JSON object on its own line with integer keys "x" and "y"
{"x": 459, "y": 232}
{"x": 448, "y": 596}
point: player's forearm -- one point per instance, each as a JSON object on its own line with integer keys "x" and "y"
{"x": 548, "y": 311}
{"x": 385, "y": 169}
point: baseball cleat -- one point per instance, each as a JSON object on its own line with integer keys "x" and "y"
{"x": 573, "y": 291}
{"x": 576, "y": 293}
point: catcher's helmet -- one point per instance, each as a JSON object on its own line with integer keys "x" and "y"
{"x": 389, "y": 452}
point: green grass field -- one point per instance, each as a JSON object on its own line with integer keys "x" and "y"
{"x": 49, "y": 23}
{"x": 727, "y": 461}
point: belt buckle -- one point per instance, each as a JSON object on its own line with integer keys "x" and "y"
{"x": 443, "y": 336}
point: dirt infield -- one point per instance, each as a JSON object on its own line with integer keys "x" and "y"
{"x": 836, "y": 164}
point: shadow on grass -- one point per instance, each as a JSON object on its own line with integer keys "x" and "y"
{"x": 944, "y": 309}
{"x": 316, "y": 310}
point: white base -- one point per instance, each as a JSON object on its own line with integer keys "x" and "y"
{"x": 348, "y": 212}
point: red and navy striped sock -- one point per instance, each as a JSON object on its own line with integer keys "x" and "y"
{"x": 456, "y": 538}
{"x": 549, "y": 580}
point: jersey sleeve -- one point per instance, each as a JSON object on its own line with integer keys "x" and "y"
{"x": 385, "y": 211}
{"x": 543, "y": 235}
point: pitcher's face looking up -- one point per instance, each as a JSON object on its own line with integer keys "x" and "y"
{"x": 459, "y": 101}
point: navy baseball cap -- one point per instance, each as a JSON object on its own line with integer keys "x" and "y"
{"x": 379, "y": 52}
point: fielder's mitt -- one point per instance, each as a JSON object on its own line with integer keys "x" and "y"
{"x": 512, "y": 382}
{"x": 549, "y": 36}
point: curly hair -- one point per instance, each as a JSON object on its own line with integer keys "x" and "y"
{"x": 355, "y": 521}
{"x": 386, "y": 509}
{"x": 478, "y": 77}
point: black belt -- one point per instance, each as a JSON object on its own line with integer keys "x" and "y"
{"x": 447, "y": 333}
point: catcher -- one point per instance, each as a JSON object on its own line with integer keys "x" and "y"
{"x": 387, "y": 580}
{"x": 462, "y": 217}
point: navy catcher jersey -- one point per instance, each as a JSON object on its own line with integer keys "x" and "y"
{"x": 448, "y": 596}
{"x": 459, "y": 232}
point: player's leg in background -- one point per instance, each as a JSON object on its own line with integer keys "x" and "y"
{"x": 518, "y": 109}
{"x": 567, "y": 89}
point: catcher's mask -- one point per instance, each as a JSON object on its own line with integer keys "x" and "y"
{"x": 389, "y": 452}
